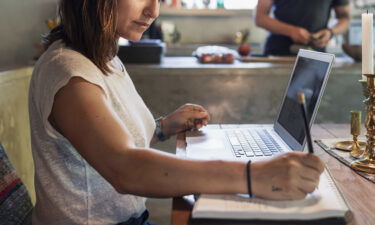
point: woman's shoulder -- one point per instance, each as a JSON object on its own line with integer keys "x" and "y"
{"x": 59, "y": 64}
{"x": 59, "y": 58}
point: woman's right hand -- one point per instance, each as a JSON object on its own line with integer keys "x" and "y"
{"x": 289, "y": 176}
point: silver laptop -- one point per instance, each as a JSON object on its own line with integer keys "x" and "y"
{"x": 258, "y": 142}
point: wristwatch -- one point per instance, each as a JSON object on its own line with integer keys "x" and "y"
{"x": 158, "y": 130}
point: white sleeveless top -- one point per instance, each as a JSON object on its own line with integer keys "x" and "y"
{"x": 68, "y": 189}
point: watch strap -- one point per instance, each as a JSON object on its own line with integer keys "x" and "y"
{"x": 159, "y": 131}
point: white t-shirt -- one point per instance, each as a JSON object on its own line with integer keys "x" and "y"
{"x": 68, "y": 189}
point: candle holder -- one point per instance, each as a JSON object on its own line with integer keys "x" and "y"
{"x": 355, "y": 147}
{"x": 366, "y": 163}
{"x": 355, "y": 130}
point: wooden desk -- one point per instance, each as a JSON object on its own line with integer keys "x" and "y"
{"x": 359, "y": 192}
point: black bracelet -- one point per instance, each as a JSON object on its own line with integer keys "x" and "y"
{"x": 248, "y": 176}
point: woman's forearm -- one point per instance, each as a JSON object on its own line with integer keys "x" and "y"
{"x": 151, "y": 173}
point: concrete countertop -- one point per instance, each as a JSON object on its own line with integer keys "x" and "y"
{"x": 240, "y": 92}
{"x": 190, "y": 65}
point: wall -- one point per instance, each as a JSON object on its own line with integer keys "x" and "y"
{"x": 214, "y": 29}
{"x": 21, "y": 24}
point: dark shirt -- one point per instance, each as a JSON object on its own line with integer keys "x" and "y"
{"x": 313, "y": 15}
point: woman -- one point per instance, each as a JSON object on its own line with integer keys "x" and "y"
{"x": 91, "y": 131}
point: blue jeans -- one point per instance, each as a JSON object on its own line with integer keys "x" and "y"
{"x": 141, "y": 220}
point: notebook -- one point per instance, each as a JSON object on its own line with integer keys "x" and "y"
{"x": 259, "y": 142}
{"x": 325, "y": 202}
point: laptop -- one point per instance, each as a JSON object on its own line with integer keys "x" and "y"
{"x": 259, "y": 142}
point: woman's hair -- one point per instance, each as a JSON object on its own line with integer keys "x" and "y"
{"x": 89, "y": 27}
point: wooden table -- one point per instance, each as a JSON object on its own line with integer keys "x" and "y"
{"x": 359, "y": 192}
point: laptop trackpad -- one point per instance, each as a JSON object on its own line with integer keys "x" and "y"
{"x": 207, "y": 145}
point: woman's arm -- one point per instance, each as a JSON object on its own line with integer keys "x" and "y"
{"x": 186, "y": 117}
{"x": 83, "y": 115}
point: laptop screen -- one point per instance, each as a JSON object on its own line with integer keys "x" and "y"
{"x": 308, "y": 77}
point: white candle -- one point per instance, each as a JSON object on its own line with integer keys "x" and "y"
{"x": 367, "y": 44}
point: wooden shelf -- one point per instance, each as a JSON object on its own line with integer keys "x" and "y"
{"x": 166, "y": 11}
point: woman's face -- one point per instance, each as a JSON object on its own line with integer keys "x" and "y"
{"x": 135, "y": 16}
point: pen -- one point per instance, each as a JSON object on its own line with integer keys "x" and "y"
{"x": 302, "y": 101}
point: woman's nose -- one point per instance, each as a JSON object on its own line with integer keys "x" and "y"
{"x": 152, "y": 9}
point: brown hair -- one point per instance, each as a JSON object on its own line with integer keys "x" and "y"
{"x": 89, "y": 27}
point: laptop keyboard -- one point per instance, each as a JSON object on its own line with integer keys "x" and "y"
{"x": 252, "y": 143}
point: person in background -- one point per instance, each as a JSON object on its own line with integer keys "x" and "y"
{"x": 300, "y": 22}
{"x": 91, "y": 132}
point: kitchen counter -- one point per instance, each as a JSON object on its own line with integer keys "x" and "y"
{"x": 191, "y": 63}
{"x": 240, "y": 92}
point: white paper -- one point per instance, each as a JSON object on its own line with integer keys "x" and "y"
{"x": 324, "y": 202}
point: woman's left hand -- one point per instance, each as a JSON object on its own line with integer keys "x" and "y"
{"x": 187, "y": 117}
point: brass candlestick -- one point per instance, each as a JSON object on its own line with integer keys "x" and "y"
{"x": 355, "y": 147}
{"x": 355, "y": 130}
{"x": 367, "y": 161}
